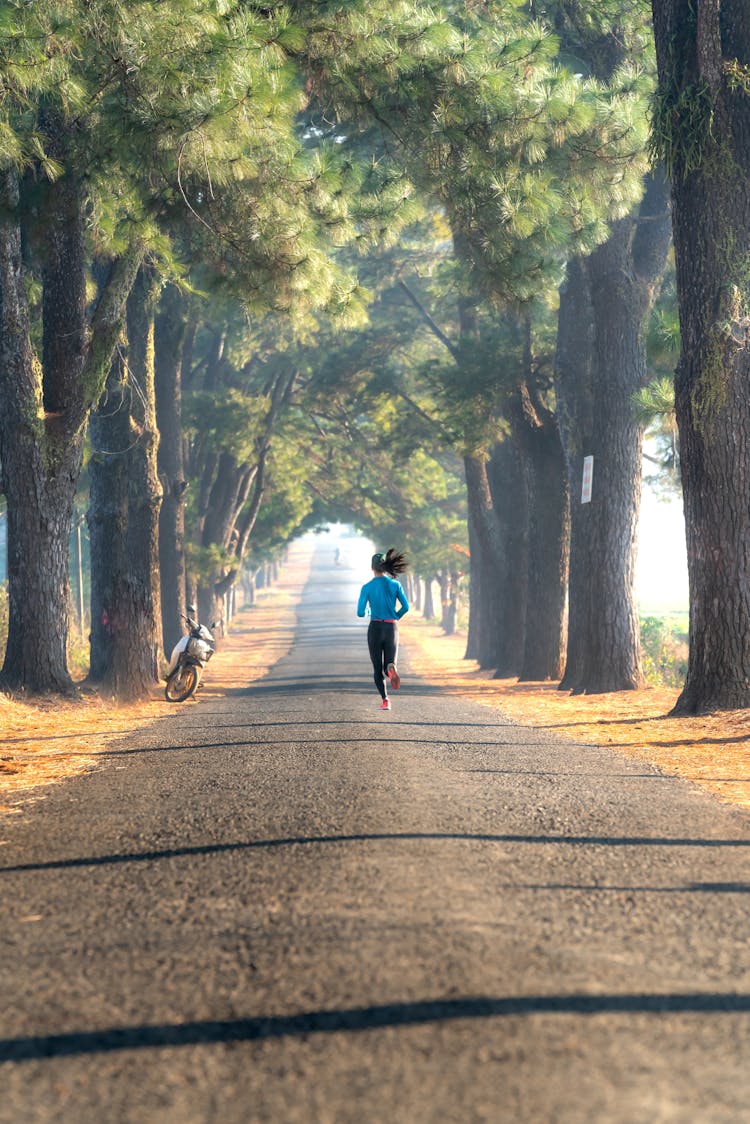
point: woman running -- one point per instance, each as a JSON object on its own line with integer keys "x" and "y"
{"x": 382, "y": 594}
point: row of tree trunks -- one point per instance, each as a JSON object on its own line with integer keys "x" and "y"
{"x": 414, "y": 589}
{"x": 518, "y": 534}
{"x": 421, "y": 594}
{"x": 231, "y": 494}
{"x": 600, "y": 365}
{"x": 449, "y": 593}
{"x": 45, "y": 407}
{"x": 525, "y": 532}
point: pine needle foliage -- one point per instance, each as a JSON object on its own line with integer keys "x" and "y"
{"x": 530, "y": 159}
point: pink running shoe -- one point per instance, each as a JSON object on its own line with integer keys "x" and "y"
{"x": 394, "y": 676}
{"x": 385, "y": 705}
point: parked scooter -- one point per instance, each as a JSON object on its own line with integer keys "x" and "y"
{"x": 189, "y": 657}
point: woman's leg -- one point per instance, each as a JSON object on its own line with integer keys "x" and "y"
{"x": 390, "y": 646}
{"x": 375, "y": 640}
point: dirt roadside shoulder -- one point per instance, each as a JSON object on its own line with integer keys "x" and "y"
{"x": 713, "y": 751}
{"x": 50, "y": 739}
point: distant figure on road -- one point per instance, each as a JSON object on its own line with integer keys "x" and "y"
{"x": 383, "y": 594}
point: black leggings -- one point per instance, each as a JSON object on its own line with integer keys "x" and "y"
{"x": 382, "y": 640}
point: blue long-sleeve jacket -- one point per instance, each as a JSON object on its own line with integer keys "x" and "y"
{"x": 382, "y": 593}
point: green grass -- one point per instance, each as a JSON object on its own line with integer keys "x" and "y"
{"x": 664, "y": 645}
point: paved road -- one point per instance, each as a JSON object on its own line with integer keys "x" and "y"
{"x": 286, "y": 906}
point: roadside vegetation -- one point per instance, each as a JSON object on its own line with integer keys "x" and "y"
{"x": 665, "y": 649}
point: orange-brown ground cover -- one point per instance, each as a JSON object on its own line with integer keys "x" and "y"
{"x": 49, "y": 739}
{"x": 713, "y": 751}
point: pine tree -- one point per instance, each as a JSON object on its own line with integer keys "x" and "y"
{"x": 702, "y": 132}
{"x": 604, "y": 307}
{"x": 106, "y": 112}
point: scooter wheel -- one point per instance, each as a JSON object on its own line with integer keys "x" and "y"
{"x": 182, "y": 683}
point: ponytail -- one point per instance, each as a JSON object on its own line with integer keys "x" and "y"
{"x": 393, "y": 563}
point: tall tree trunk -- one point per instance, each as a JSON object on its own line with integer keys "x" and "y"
{"x": 473, "y": 639}
{"x": 169, "y": 333}
{"x": 137, "y": 666}
{"x": 617, "y": 284}
{"x": 549, "y": 537}
{"x": 608, "y": 653}
{"x": 429, "y": 604}
{"x": 124, "y": 511}
{"x": 573, "y": 379}
{"x": 450, "y": 603}
{"x": 36, "y": 472}
{"x": 444, "y": 585}
{"x": 703, "y": 56}
{"x": 509, "y": 486}
{"x": 488, "y": 564}
{"x": 110, "y": 436}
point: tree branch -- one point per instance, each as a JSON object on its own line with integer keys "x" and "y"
{"x": 434, "y": 328}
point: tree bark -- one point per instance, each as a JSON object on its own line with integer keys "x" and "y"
{"x": 137, "y": 664}
{"x": 488, "y": 565}
{"x": 449, "y": 595}
{"x": 444, "y": 585}
{"x": 123, "y": 518}
{"x": 549, "y": 539}
{"x": 703, "y": 58}
{"x": 573, "y": 381}
{"x": 509, "y": 488}
{"x": 429, "y": 604}
{"x": 169, "y": 334}
{"x": 600, "y": 364}
{"x": 110, "y": 435}
{"x": 474, "y": 632}
{"x": 45, "y": 405}
{"x": 39, "y": 496}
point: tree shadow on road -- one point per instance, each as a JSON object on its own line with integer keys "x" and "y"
{"x": 215, "y": 1032}
{"x": 375, "y": 837}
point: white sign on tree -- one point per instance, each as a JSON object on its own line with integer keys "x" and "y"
{"x": 588, "y": 477}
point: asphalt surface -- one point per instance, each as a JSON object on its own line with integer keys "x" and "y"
{"x": 287, "y": 906}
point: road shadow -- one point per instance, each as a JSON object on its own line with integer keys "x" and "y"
{"x": 221, "y": 1031}
{"x": 310, "y": 739}
{"x": 688, "y": 888}
{"x": 304, "y": 684}
{"x": 364, "y": 837}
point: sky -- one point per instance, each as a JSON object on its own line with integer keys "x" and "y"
{"x": 661, "y": 579}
